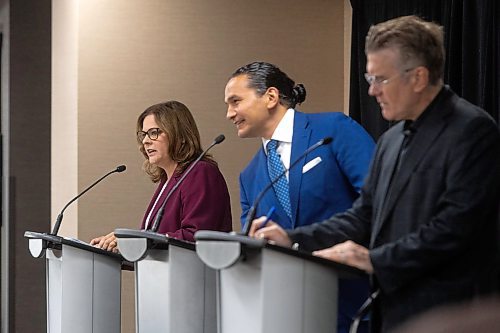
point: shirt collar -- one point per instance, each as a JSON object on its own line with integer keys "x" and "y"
{"x": 284, "y": 130}
{"x": 412, "y": 126}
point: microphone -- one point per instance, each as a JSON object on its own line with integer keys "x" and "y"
{"x": 54, "y": 232}
{"x": 253, "y": 209}
{"x": 159, "y": 215}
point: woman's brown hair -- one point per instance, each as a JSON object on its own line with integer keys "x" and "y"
{"x": 176, "y": 121}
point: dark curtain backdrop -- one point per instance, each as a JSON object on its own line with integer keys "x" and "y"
{"x": 472, "y": 43}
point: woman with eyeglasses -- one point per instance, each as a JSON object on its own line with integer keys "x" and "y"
{"x": 169, "y": 140}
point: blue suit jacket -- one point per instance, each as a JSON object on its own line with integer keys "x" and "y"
{"x": 327, "y": 188}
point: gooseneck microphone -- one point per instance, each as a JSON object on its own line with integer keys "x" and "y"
{"x": 54, "y": 232}
{"x": 159, "y": 215}
{"x": 252, "y": 211}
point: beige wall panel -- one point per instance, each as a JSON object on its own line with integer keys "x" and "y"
{"x": 134, "y": 53}
{"x": 347, "y": 52}
{"x": 64, "y": 120}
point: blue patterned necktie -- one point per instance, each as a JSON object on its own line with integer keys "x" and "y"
{"x": 275, "y": 168}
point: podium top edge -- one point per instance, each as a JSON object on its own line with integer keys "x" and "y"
{"x": 344, "y": 270}
{"x": 209, "y": 235}
{"x": 56, "y": 242}
{"x": 157, "y": 239}
{"x": 134, "y": 233}
{"x": 40, "y": 235}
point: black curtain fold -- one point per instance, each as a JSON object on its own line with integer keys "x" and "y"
{"x": 472, "y": 43}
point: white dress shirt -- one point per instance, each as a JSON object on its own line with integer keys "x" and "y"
{"x": 283, "y": 134}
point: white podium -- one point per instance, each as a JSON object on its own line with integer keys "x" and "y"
{"x": 83, "y": 284}
{"x": 175, "y": 291}
{"x": 266, "y": 288}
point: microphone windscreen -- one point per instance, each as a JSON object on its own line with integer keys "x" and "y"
{"x": 219, "y": 139}
{"x": 327, "y": 140}
{"x": 121, "y": 168}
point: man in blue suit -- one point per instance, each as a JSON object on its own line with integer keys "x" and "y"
{"x": 261, "y": 100}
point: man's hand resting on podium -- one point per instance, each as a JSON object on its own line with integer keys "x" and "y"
{"x": 348, "y": 253}
{"x": 272, "y": 232}
{"x": 107, "y": 242}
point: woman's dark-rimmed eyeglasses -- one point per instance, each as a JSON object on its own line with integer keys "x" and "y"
{"x": 152, "y": 133}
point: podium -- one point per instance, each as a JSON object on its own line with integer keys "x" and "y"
{"x": 83, "y": 284}
{"x": 267, "y": 288}
{"x": 175, "y": 291}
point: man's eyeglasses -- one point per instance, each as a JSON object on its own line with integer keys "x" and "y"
{"x": 378, "y": 81}
{"x": 152, "y": 133}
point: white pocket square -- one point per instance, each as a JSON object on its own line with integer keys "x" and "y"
{"x": 311, "y": 164}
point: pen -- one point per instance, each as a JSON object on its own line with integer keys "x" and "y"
{"x": 268, "y": 216}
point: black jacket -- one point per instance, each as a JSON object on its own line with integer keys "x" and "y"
{"x": 431, "y": 230}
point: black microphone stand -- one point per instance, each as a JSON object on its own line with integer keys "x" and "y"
{"x": 57, "y": 225}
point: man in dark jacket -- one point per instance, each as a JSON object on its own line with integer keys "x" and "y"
{"x": 425, "y": 223}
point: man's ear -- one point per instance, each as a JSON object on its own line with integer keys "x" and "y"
{"x": 421, "y": 77}
{"x": 273, "y": 97}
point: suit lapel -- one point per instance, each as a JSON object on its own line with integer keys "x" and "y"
{"x": 388, "y": 163}
{"x": 300, "y": 142}
{"x": 426, "y": 135}
{"x": 150, "y": 206}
